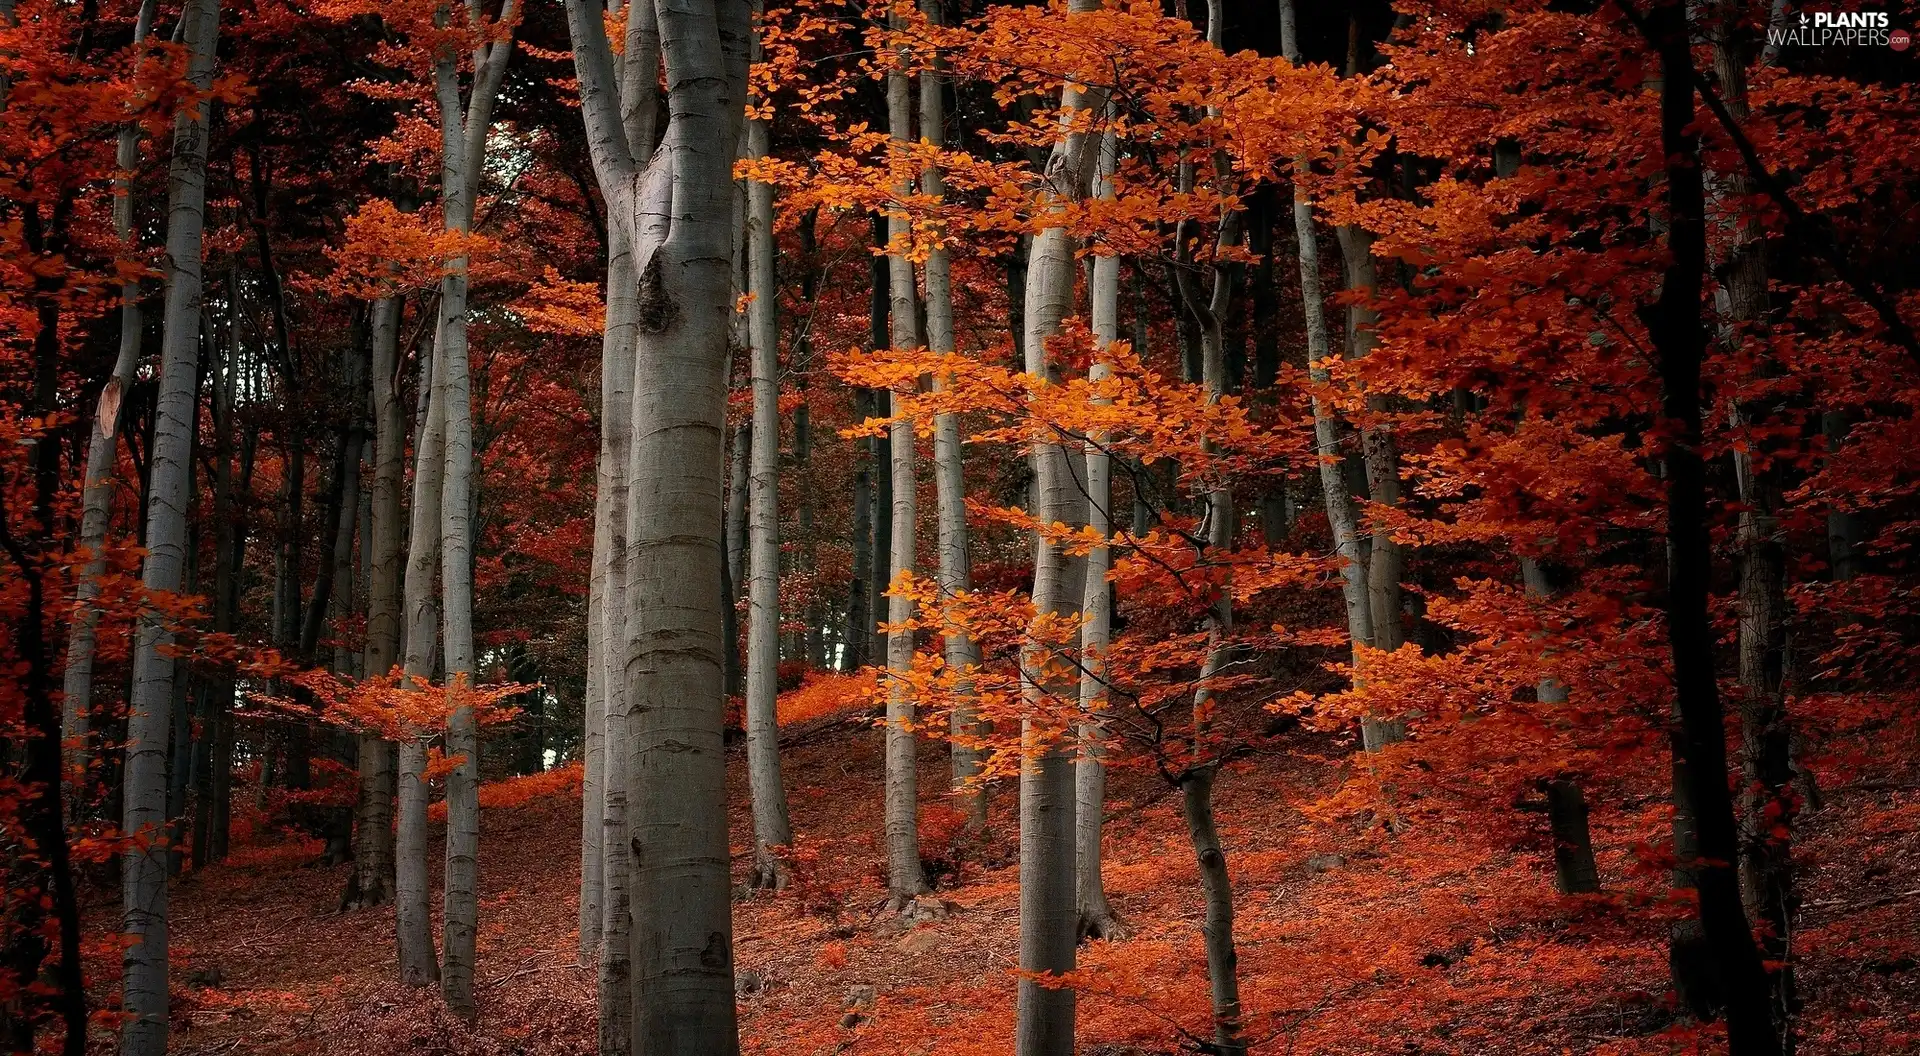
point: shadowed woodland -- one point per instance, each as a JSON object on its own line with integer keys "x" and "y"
{"x": 551, "y": 527}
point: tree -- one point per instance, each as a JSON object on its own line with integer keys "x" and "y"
{"x": 682, "y": 963}
{"x": 772, "y": 828}
{"x": 1049, "y": 917}
{"x": 906, "y": 878}
{"x": 149, "y": 711}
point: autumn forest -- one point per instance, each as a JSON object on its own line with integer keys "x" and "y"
{"x": 1119, "y": 527}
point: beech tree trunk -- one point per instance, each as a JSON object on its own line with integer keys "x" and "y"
{"x": 412, "y": 915}
{"x": 772, "y": 828}
{"x": 682, "y": 992}
{"x": 612, "y": 867}
{"x": 906, "y": 879}
{"x": 144, "y": 805}
{"x": 463, "y": 143}
{"x": 1679, "y": 340}
{"x": 1382, "y": 461}
{"x": 96, "y": 499}
{"x": 1342, "y": 515}
{"x": 1097, "y": 918}
{"x": 949, "y": 464}
{"x": 373, "y": 861}
{"x": 1049, "y": 916}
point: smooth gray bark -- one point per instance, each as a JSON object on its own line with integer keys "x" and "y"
{"x": 463, "y": 131}
{"x": 1049, "y": 920}
{"x": 96, "y": 498}
{"x": 144, "y": 867}
{"x": 374, "y": 849}
{"x": 1097, "y": 918}
{"x": 683, "y": 995}
{"x": 772, "y": 827}
{"x": 412, "y": 913}
{"x": 906, "y": 878}
{"x": 949, "y": 460}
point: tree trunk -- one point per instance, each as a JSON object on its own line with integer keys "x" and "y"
{"x": 1574, "y": 871}
{"x": 143, "y": 873}
{"x": 949, "y": 461}
{"x": 1049, "y": 917}
{"x": 1382, "y": 463}
{"x": 607, "y": 811}
{"x": 1097, "y": 918}
{"x": 373, "y": 861}
{"x": 772, "y": 828}
{"x": 463, "y": 141}
{"x": 682, "y": 993}
{"x": 102, "y": 443}
{"x": 413, "y": 916}
{"x": 1342, "y": 516}
{"x": 905, "y": 876}
{"x": 1700, "y": 740}
{"x": 854, "y": 638}
{"x": 1223, "y": 963}
{"x": 1768, "y": 804}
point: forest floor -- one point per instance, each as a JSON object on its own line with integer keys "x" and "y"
{"x": 1433, "y": 939}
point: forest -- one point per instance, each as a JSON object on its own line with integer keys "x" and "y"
{"x": 815, "y": 527}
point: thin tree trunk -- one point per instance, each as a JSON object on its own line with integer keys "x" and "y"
{"x": 854, "y": 637}
{"x": 102, "y": 442}
{"x": 1097, "y": 918}
{"x": 906, "y": 878}
{"x": 373, "y": 852}
{"x": 143, "y": 872}
{"x": 738, "y": 474}
{"x": 1049, "y": 918}
{"x": 607, "y": 812}
{"x": 413, "y": 916}
{"x": 1768, "y": 803}
{"x": 880, "y": 450}
{"x": 949, "y": 460}
{"x": 463, "y": 130}
{"x": 1342, "y": 516}
{"x": 772, "y": 827}
{"x": 1679, "y": 340}
{"x": 1382, "y": 461}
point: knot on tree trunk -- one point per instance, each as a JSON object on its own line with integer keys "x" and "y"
{"x": 656, "y": 312}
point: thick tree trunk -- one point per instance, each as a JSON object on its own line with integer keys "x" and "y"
{"x": 143, "y": 872}
{"x": 772, "y": 828}
{"x": 144, "y": 801}
{"x": 1574, "y": 870}
{"x": 413, "y": 916}
{"x": 1049, "y": 917}
{"x": 682, "y": 993}
{"x": 1679, "y": 339}
{"x": 906, "y": 879}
